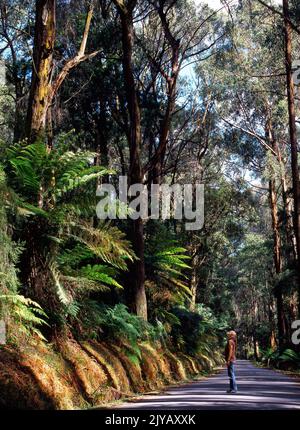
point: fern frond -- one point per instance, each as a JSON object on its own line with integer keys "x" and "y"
{"x": 167, "y": 266}
{"x": 74, "y": 179}
{"x": 97, "y": 273}
{"x": 107, "y": 242}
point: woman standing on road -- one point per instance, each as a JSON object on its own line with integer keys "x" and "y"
{"x": 230, "y": 357}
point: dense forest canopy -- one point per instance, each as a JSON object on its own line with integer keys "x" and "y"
{"x": 162, "y": 92}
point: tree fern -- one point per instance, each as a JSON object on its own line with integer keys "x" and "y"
{"x": 106, "y": 242}
{"x": 48, "y": 185}
{"x": 35, "y": 171}
{"x": 98, "y": 273}
{"x": 22, "y": 314}
{"x": 166, "y": 267}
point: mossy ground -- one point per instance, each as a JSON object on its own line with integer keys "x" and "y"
{"x": 68, "y": 374}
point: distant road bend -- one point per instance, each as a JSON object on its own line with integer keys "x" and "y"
{"x": 259, "y": 389}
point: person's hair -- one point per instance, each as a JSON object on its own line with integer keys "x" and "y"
{"x": 231, "y": 334}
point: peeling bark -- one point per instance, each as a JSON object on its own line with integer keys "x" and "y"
{"x": 43, "y": 86}
{"x": 44, "y": 39}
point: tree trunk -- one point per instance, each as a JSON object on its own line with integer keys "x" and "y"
{"x": 18, "y": 120}
{"x": 194, "y": 285}
{"x": 35, "y": 271}
{"x": 277, "y": 262}
{"x": 293, "y": 135}
{"x": 280, "y": 320}
{"x": 101, "y": 134}
{"x": 273, "y": 340}
{"x": 44, "y": 38}
{"x": 276, "y": 240}
{"x": 275, "y": 227}
{"x": 138, "y": 301}
{"x": 287, "y": 204}
{"x": 155, "y": 165}
{"x": 256, "y": 348}
{"x": 196, "y": 263}
{"x": 43, "y": 87}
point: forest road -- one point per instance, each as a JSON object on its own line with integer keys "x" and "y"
{"x": 258, "y": 389}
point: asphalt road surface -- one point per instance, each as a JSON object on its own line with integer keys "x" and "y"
{"x": 258, "y": 389}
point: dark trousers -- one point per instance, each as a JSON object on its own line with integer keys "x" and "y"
{"x": 231, "y": 375}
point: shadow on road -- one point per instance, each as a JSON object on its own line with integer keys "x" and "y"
{"x": 259, "y": 389}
